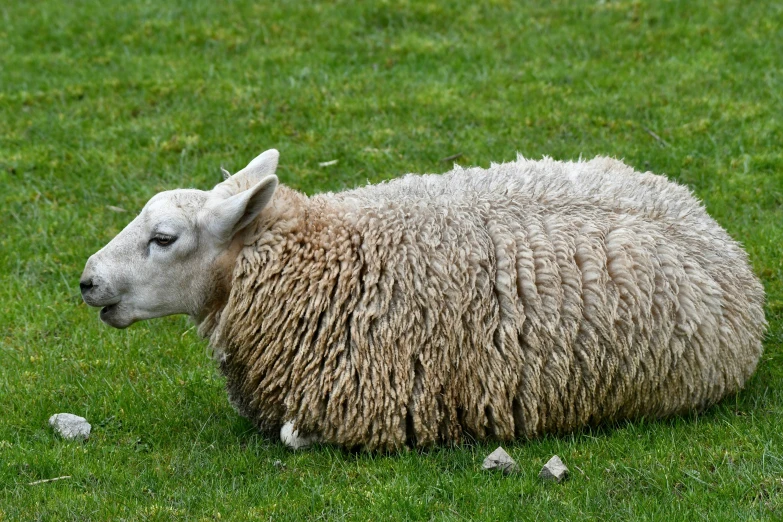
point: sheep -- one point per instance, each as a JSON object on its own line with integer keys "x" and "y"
{"x": 530, "y": 298}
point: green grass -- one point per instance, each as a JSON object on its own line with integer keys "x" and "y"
{"x": 105, "y": 103}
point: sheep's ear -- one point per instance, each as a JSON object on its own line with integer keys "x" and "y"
{"x": 265, "y": 164}
{"x": 226, "y": 217}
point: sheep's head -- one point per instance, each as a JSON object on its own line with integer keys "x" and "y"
{"x": 165, "y": 261}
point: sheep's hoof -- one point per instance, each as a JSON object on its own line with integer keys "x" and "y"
{"x": 293, "y": 439}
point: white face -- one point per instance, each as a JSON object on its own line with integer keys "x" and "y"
{"x": 164, "y": 261}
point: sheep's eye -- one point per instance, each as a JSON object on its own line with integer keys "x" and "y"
{"x": 163, "y": 239}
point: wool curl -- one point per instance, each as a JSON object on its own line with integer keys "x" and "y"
{"x": 532, "y": 297}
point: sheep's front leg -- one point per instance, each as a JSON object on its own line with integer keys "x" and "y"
{"x": 295, "y": 440}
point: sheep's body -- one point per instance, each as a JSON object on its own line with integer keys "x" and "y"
{"x": 529, "y": 298}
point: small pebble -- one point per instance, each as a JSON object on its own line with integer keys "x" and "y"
{"x": 500, "y": 460}
{"x": 70, "y": 427}
{"x": 554, "y": 470}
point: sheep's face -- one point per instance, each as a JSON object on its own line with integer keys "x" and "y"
{"x": 166, "y": 260}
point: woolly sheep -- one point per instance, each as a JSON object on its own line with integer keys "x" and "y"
{"x": 528, "y": 298}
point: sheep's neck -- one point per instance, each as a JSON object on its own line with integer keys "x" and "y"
{"x": 287, "y": 212}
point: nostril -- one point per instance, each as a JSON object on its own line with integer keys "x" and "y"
{"x": 85, "y": 285}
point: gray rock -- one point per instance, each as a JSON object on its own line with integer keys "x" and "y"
{"x": 554, "y": 470}
{"x": 69, "y": 426}
{"x": 500, "y": 460}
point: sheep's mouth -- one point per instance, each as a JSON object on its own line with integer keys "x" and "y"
{"x": 113, "y": 316}
{"x": 100, "y": 300}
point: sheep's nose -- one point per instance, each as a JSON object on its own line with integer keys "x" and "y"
{"x": 86, "y": 285}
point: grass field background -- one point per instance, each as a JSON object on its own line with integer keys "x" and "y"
{"x": 105, "y": 103}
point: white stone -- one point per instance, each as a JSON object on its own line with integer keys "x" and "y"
{"x": 70, "y": 427}
{"x": 554, "y": 470}
{"x": 501, "y": 460}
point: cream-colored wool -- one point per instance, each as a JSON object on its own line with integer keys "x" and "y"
{"x": 531, "y": 297}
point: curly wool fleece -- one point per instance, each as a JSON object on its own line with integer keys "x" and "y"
{"x": 531, "y": 297}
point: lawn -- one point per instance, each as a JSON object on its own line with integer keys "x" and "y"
{"x": 102, "y": 104}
